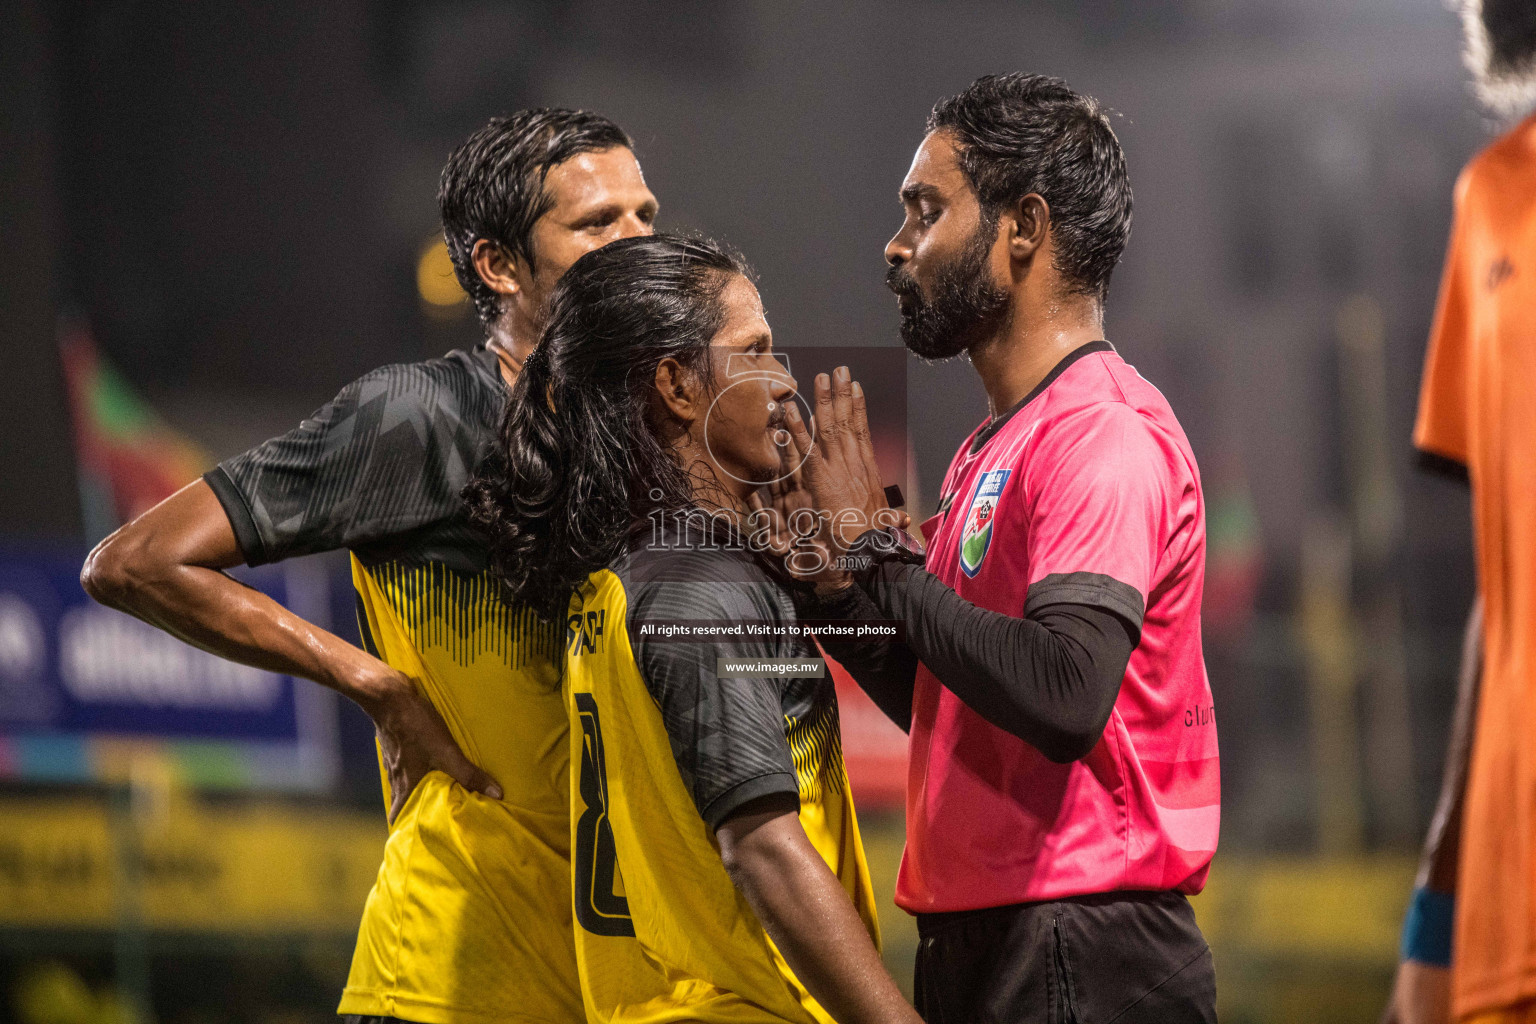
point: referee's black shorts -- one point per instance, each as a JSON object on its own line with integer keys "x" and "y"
{"x": 1124, "y": 957}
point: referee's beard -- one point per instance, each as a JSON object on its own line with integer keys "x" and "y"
{"x": 966, "y": 308}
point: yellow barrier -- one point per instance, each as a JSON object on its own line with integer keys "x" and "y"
{"x": 1340, "y": 909}
{"x": 269, "y": 868}
{"x": 250, "y": 868}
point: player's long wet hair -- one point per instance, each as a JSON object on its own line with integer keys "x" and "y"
{"x": 578, "y": 458}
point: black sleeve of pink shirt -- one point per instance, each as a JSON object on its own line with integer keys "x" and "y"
{"x": 884, "y": 669}
{"x": 1050, "y": 679}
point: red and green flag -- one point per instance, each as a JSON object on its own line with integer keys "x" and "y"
{"x": 129, "y": 458}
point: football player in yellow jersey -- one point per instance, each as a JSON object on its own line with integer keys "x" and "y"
{"x": 718, "y": 870}
{"x": 470, "y": 918}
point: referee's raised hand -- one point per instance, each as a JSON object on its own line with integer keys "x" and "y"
{"x": 838, "y": 465}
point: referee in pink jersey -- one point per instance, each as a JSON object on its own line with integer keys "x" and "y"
{"x": 1063, "y": 796}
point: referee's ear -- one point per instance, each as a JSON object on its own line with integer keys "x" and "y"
{"x": 1028, "y": 224}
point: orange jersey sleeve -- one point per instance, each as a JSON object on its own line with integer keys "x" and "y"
{"x": 1441, "y": 428}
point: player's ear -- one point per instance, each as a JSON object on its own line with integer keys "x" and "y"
{"x": 502, "y": 272}
{"x": 678, "y": 390}
{"x": 1027, "y": 224}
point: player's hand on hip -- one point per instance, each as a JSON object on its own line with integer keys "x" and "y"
{"x": 414, "y": 740}
{"x": 1421, "y": 994}
{"x": 838, "y": 464}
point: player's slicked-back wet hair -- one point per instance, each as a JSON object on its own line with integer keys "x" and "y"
{"x": 1023, "y": 133}
{"x": 493, "y": 185}
{"x": 578, "y": 459}
{"x": 1500, "y": 51}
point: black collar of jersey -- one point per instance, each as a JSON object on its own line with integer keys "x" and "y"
{"x": 987, "y": 432}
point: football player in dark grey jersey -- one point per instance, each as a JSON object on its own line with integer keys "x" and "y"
{"x": 449, "y": 668}
{"x": 521, "y": 201}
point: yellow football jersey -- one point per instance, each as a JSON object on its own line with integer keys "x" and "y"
{"x": 469, "y": 919}
{"x": 663, "y": 750}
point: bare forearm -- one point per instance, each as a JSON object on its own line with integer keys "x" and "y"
{"x": 210, "y": 610}
{"x": 166, "y": 569}
{"x": 812, "y": 921}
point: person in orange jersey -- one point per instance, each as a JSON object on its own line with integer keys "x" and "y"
{"x": 1469, "y": 942}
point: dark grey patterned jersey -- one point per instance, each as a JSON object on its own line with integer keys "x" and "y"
{"x": 673, "y": 737}
{"x": 735, "y": 737}
{"x": 377, "y": 470}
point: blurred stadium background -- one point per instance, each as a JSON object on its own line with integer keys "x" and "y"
{"x": 214, "y": 217}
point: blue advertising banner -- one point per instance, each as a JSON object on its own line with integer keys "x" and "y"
{"x": 73, "y": 670}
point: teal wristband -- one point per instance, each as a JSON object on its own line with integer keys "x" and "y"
{"x": 1428, "y": 927}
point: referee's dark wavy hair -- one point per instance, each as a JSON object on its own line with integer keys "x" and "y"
{"x": 1024, "y": 133}
{"x": 578, "y": 458}
{"x": 493, "y": 185}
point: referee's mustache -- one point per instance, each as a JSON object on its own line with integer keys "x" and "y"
{"x": 899, "y": 280}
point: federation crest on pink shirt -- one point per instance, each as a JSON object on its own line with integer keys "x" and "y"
{"x": 977, "y": 535}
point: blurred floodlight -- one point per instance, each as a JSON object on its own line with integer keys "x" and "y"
{"x": 439, "y": 289}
